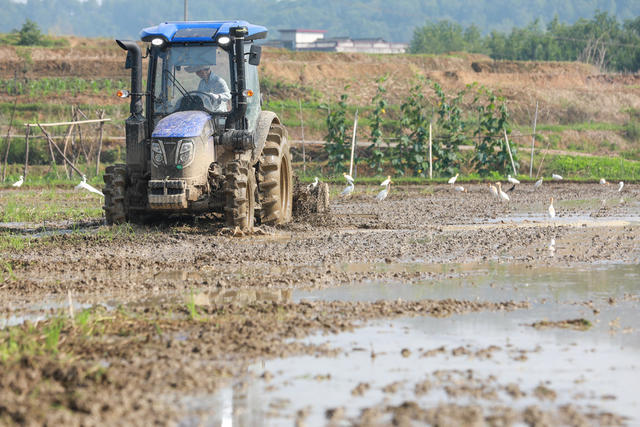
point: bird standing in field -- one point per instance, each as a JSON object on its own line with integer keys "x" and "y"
{"x": 620, "y": 186}
{"x": 83, "y": 184}
{"x": 551, "y": 210}
{"x": 512, "y": 180}
{"x": 538, "y": 183}
{"x": 385, "y": 192}
{"x": 460, "y": 188}
{"x": 452, "y": 180}
{"x": 313, "y": 185}
{"x": 603, "y": 181}
{"x": 504, "y": 196}
{"x": 556, "y": 177}
{"x": 348, "y": 189}
{"x": 493, "y": 190}
{"x": 347, "y": 177}
{"x": 386, "y": 181}
{"x": 19, "y": 182}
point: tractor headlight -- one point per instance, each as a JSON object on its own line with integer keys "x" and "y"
{"x": 185, "y": 155}
{"x": 157, "y": 154}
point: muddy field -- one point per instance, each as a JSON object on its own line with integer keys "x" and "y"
{"x": 432, "y": 307}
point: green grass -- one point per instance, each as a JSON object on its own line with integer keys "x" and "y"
{"x": 49, "y": 204}
{"x": 73, "y": 86}
{"x": 580, "y": 127}
{"x": 593, "y": 168}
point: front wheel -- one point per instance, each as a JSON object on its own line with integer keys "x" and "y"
{"x": 115, "y": 179}
{"x": 239, "y": 188}
{"x": 276, "y": 184}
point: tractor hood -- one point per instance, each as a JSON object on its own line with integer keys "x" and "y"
{"x": 183, "y": 124}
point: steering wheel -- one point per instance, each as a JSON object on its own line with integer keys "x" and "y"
{"x": 191, "y": 102}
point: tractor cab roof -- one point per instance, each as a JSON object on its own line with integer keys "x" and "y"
{"x": 199, "y": 31}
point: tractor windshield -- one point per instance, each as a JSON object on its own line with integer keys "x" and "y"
{"x": 191, "y": 78}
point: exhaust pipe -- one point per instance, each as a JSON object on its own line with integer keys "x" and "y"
{"x": 237, "y": 119}
{"x": 134, "y": 62}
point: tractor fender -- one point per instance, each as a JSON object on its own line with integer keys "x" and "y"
{"x": 266, "y": 119}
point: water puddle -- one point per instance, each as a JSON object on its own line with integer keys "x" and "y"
{"x": 489, "y": 359}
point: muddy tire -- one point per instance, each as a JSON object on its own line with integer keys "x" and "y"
{"x": 239, "y": 189}
{"x": 275, "y": 187}
{"x": 115, "y": 180}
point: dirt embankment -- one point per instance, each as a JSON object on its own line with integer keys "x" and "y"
{"x": 567, "y": 92}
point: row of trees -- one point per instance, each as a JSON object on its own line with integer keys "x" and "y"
{"x": 474, "y": 116}
{"x": 602, "y": 41}
{"x": 391, "y": 20}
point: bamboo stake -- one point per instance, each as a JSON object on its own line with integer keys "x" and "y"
{"x": 60, "y": 151}
{"x": 26, "y": 153}
{"x": 53, "y": 160}
{"x": 430, "y": 156}
{"x": 506, "y": 140}
{"x": 100, "y": 143}
{"x": 304, "y": 157}
{"x": 7, "y": 141}
{"x": 533, "y": 140}
{"x": 542, "y": 161}
{"x": 353, "y": 142}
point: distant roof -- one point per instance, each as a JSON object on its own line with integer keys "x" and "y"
{"x": 302, "y": 30}
{"x": 199, "y": 31}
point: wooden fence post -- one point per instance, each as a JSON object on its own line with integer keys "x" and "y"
{"x": 7, "y": 141}
{"x": 353, "y": 142}
{"x": 430, "y": 156}
{"x": 304, "y": 157}
{"x": 100, "y": 143}
{"x": 533, "y": 140}
{"x": 26, "y": 153}
{"x": 506, "y": 140}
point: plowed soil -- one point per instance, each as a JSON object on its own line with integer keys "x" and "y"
{"x": 181, "y": 306}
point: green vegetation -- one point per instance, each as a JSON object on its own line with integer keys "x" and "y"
{"x": 49, "y": 205}
{"x": 602, "y": 41}
{"x": 68, "y": 86}
{"x": 594, "y": 168}
{"x": 30, "y": 35}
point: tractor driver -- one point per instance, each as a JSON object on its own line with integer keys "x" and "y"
{"x": 213, "y": 85}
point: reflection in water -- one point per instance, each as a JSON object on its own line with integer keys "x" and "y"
{"x": 594, "y": 371}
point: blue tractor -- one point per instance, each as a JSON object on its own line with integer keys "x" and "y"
{"x": 197, "y": 139}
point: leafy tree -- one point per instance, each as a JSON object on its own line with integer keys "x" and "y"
{"x": 29, "y": 34}
{"x": 451, "y": 129}
{"x": 490, "y": 147}
{"x": 376, "y": 157}
{"x": 411, "y": 153}
{"x": 337, "y": 147}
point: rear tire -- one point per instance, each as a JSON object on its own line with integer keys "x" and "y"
{"x": 275, "y": 188}
{"x": 239, "y": 189}
{"x": 115, "y": 179}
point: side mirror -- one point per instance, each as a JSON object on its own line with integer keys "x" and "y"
{"x": 254, "y": 55}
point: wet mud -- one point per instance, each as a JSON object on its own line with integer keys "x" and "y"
{"x": 157, "y": 322}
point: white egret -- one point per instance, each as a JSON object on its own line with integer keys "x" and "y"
{"x": 512, "y": 180}
{"x": 620, "y": 186}
{"x": 552, "y": 211}
{"x": 603, "y": 181}
{"x": 452, "y": 180}
{"x": 504, "y": 196}
{"x": 313, "y": 185}
{"x": 385, "y": 192}
{"x": 386, "y": 181}
{"x": 19, "y": 182}
{"x": 347, "y": 177}
{"x": 460, "y": 188}
{"x": 556, "y": 177}
{"x": 493, "y": 190}
{"x": 83, "y": 184}
{"x": 348, "y": 189}
{"x": 538, "y": 183}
